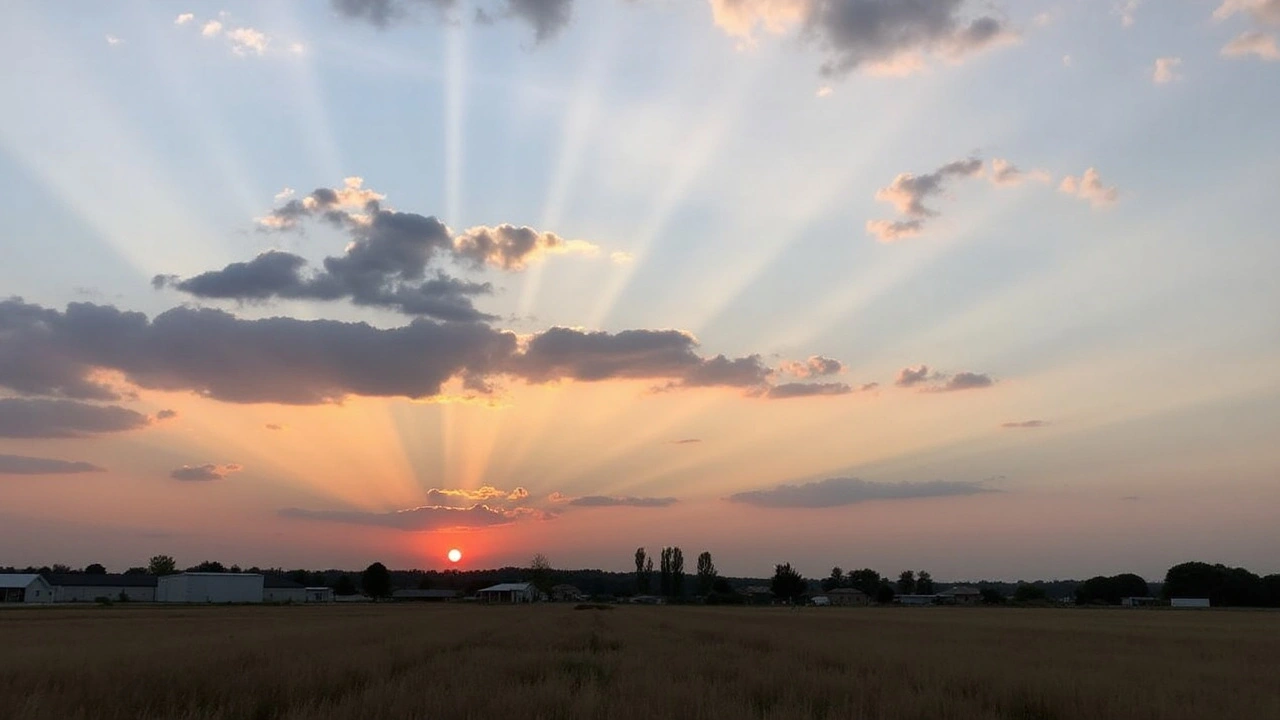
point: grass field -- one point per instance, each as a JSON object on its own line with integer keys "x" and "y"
{"x": 394, "y": 661}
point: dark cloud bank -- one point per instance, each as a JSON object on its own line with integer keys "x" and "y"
{"x": 23, "y": 465}
{"x": 837, "y": 492}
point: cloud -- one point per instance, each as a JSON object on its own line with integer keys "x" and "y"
{"x": 839, "y": 492}
{"x": 1263, "y": 11}
{"x": 212, "y": 28}
{"x": 1127, "y": 10}
{"x": 741, "y": 18}
{"x": 275, "y": 426}
{"x": 965, "y": 381}
{"x": 815, "y": 366}
{"x": 437, "y": 497}
{"x": 1025, "y": 424}
{"x": 1089, "y": 187}
{"x": 428, "y": 517}
{"x": 166, "y": 414}
{"x": 22, "y": 465}
{"x": 797, "y": 390}
{"x": 546, "y": 17}
{"x": 686, "y": 441}
{"x": 184, "y": 18}
{"x": 247, "y": 40}
{"x": 618, "y": 257}
{"x": 1166, "y": 70}
{"x": 908, "y": 193}
{"x": 204, "y": 473}
{"x": 112, "y": 40}
{"x": 610, "y": 501}
{"x": 511, "y": 248}
{"x": 1004, "y": 172}
{"x": 824, "y": 91}
{"x": 38, "y": 418}
{"x": 304, "y": 362}
{"x": 1252, "y": 42}
{"x": 910, "y": 377}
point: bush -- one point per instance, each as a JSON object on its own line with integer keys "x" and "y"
{"x": 102, "y": 600}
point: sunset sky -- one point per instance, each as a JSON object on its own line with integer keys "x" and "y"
{"x": 987, "y": 289}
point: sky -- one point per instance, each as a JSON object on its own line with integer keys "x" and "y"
{"x": 985, "y": 289}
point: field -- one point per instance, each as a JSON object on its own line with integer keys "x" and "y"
{"x": 375, "y": 662}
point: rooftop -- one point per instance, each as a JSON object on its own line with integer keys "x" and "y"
{"x": 509, "y": 587}
{"x": 112, "y": 580}
{"x": 17, "y": 580}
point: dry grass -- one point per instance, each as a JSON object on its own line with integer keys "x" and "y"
{"x": 373, "y": 662}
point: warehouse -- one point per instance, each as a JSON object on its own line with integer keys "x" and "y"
{"x": 24, "y": 588}
{"x": 81, "y": 587}
{"x": 198, "y": 587}
{"x": 277, "y": 589}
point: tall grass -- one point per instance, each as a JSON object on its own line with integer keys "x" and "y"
{"x": 397, "y": 662}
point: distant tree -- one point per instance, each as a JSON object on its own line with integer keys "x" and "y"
{"x": 302, "y": 577}
{"x": 136, "y": 571}
{"x": 162, "y": 565}
{"x": 677, "y": 572}
{"x": 376, "y": 581}
{"x": 344, "y": 585}
{"x": 209, "y": 566}
{"x": 648, "y": 575}
{"x": 787, "y": 584}
{"x": 1028, "y": 592}
{"x": 885, "y": 594}
{"x": 991, "y": 596}
{"x": 1130, "y": 585}
{"x": 236, "y": 569}
{"x": 1110, "y": 590}
{"x": 833, "y": 581}
{"x": 722, "y": 586}
{"x": 1221, "y": 584}
{"x": 706, "y": 573}
{"x": 425, "y": 582}
{"x": 907, "y": 583}
{"x": 95, "y": 569}
{"x": 866, "y": 580}
{"x": 60, "y": 569}
{"x": 924, "y": 583}
{"x": 642, "y": 579}
{"x": 1271, "y": 590}
{"x": 540, "y": 573}
{"x": 664, "y": 572}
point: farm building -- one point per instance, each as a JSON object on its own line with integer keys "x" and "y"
{"x": 1190, "y": 602}
{"x": 79, "y": 587}
{"x": 848, "y": 596}
{"x": 24, "y": 588}
{"x": 278, "y": 589}
{"x": 1139, "y": 601}
{"x": 509, "y": 593}
{"x": 198, "y": 587}
{"x": 424, "y": 595}
{"x": 961, "y": 595}
{"x": 319, "y": 594}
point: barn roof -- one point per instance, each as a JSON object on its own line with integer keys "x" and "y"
{"x": 277, "y": 582}
{"x": 509, "y": 587}
{"x": 82, "y": 580}
{"x": 17, "y": 580}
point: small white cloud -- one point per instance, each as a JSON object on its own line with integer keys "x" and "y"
{"x": 824, "y": 91}
{"x": 1253, "y": 43}
{"x": 113, "y": 40}
{"x": 1127, "y": 11}
{"x": 245, "y": 40}
{"x": 184, "y": 18}
{"x": 1066, "y": 61}
{"x": 1089, "y": 187}
{"x": 1263, "y": 11}
{"x": 211, "y": 29}
{"x": 284, "y": 194}
{"x": 618, "y": 257}
{"x": 1166, "y": 70}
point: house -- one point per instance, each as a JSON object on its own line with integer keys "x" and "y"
{"x": 201, "y": 587}
{"x": 509, "y": 593}
{"x": 758, "y": 594}
{"x": 961, "y": 595}
{"x": 280, "y": 589}
{"x": 24, "y": 588}
{"x": 80, "y": 587}
{"x": 848, "y": 596}
{"x": 424, "y": 595}
{"x": 319, "y": 594}
{"x": 1139, "y": 601}
{"x": 566, "y": 593}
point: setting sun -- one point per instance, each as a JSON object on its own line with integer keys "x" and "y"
{"x": 455, "y": 555}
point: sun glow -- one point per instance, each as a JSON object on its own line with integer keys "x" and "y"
{"x": 455, "y": 555}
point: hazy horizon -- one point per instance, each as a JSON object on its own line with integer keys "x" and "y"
{"x": 983, "y": 289}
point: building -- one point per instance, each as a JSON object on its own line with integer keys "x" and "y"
{"x": 1139, "y": 601}
{"x": 1190, "y": 602}
{"x": 758, "y": 594}
{"x": 961, "y": 595}
{"x": 848, "y": 596}
{"x": 26, "y": 588}
{"x": 319, "y": 594}
{"x": 509, "y": 593}
{"x": 566, "y": 593}
{"x": 424, "y": 595}
{"x": 280, "y": 589}
{"x": 79, "y": 587}
{"x": 198, "y": 587}
{"x": 917, "y": 599}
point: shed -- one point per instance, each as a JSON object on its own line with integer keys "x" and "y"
{"x": 80, "y": 587}
{"x": 280, "y": 589}
{"x": 848, "y": 596}
{"x": 198, "y": 587}
{"x": 961, "y": 595}
{"x": 24, "y": 588}
{"x": 509, "y": 593}
{"x": 424, "y": 595}
{"x": 319, "y": 594}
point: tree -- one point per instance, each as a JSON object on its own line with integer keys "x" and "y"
{"x": 648, "y": 575}
{"x": 60, "y": 569}
{"x": 540, "y": 573}
{"x": 376, "y": 581}
{"x": 1027, "y": 592}
{"x": 344, "y": 585}
{"x": 835, "y": 580}
{"x": 642, "y": 580}
{"x": 664, "y": 572}
{"x": 162, "y": 565}
{"x": 136, "y": 571}
{"x": 706, "y": 573}
{"x": 1110, "y": 590}
{"x": 884, "y": 594}
{"x": 907, "y": 583}
{"x": 866, "y": 580}
{"x": 924, "y": 583}
{"x": 991, "y": 596}
{"x": 209, "y": 566}
{"x": 1221, "y": 584}
{"x": 95, "y": 569}
{"x": 677, "y": 572}
{"x": 787, "y": 584}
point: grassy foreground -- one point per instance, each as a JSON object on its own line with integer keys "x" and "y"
{"x": 642, "y": 663}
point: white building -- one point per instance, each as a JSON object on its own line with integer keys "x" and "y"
{"x": 276, "y": 589}
{"x": 319, "y": 594}
{"x": 509, "y": 593}
{"x": 198, "y": 587}
{"x": 79, "y": 587}
{"x": 1190, "y": 602}
{"x": 24, "y": 588}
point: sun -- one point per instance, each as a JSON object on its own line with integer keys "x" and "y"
{"x": 455, "y": 555}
